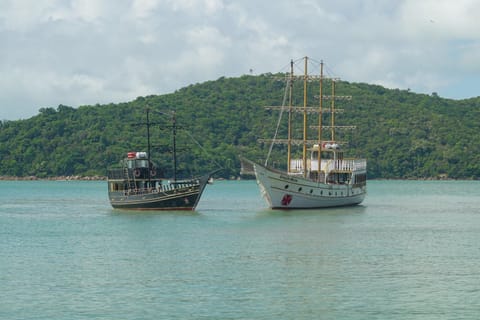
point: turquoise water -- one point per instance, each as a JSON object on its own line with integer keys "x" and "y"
{"x": 410, "y": 251}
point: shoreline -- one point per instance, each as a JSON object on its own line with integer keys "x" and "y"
{"x": 59, "y": 178}
{"x": 104, "y": 178}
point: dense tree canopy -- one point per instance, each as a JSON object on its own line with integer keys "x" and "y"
{"x": 402, "y": 134}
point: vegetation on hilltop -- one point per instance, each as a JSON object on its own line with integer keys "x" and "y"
{"x": 402, "y": 134}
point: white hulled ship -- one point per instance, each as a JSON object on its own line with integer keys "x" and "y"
{"x": 322, "y": 176}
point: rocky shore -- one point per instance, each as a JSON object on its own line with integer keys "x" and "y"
{"x": 60, "y": 178}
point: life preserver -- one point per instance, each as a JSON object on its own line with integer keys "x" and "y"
{"x": 286, "y": 199}
{"x": 137, "y": 173}
{"x": 153, "y": 173}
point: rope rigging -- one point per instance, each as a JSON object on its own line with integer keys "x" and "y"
{"x": 278, "y": 122}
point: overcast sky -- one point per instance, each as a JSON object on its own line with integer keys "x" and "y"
{"x": 83, "y": 52}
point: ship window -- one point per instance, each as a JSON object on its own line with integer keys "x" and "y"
{"x": 286, "y": 186}
{"x": 142, "y": 163}
{"x": 300, "y": 189}
{"x": 311, "y": 190}
{"x": 321, "y": 193}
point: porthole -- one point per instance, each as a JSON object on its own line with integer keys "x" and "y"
{"x": 286, "y": 186}
{"x": 299, "y": 189}
{"x": 311, "y": 191}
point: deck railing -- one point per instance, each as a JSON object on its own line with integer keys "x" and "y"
{"x": 161, "y": 188}
{"x": 115, "y": 174}
{"x": 296, "y": 165}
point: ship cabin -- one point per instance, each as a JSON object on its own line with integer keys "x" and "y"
{"x": 334, "y": 168}
{"x": 136, "y": 173}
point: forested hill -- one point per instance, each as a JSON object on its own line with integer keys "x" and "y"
{"x": 402, "y": 134}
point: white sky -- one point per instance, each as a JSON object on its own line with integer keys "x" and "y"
{"x": 82, "y": 52}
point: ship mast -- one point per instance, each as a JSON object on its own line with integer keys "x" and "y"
{"x": 174, "y": 140}
{"x": 290, "y": 111}
{"x": 148, "y": 146}
{"x": 333, "y": 110}
{"x": 305, "y": 80}
{"x": 174, "y": 125}
{"x": 329, "y": 124}
{"x": 320, "y": 120}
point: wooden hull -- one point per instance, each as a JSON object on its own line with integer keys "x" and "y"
{"x": 155, "y": 201}
{"x": 178, "y": 197}
{"x": 283, "y": 191}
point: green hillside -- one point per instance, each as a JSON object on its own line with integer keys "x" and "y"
{"x": 402, "y": 134}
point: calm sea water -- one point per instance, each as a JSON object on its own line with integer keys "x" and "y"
{"x": 410, "y": 251}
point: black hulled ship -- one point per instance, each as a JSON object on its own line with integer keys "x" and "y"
{"x": 138, "y": 183}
